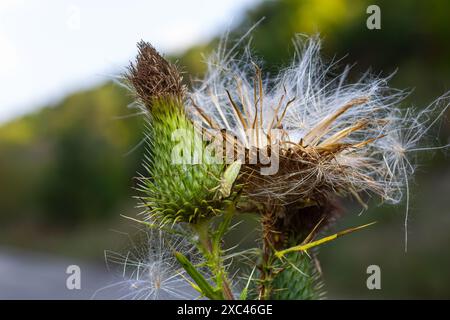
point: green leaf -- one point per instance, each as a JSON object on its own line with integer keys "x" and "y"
{"x": 205, "y": 287}
{"x": 304, "y": 247}
{"x": 243, "y": 295}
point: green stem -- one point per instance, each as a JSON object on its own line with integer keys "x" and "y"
{"x": 211, "y": 249}
{"x": 266, "y": 266}
{"x": 201, "y": 282}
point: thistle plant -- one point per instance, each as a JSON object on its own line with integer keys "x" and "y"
{"x": 286, "y": 149}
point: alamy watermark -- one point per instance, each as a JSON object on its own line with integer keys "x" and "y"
{"x": 73, "y": 281}
{"x": 73, "y": 21}
{"x": 373, "y": 281}
{"x": 373, "y": 22}
{"x": 253, "y": 146}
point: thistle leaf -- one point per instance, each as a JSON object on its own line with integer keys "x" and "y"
{"x": 304, "y": 247}
{"x": 205, "y": 287}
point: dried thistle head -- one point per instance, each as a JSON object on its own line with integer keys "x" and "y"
{"x": 152, "y": 77}
{"x": 335, "y": 138}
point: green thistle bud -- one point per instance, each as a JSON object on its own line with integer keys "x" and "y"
{"x": 298, "y": 279}
{"x": 183, "y": 176}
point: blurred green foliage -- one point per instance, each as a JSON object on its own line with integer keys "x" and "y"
{"x": 67, "y": 166}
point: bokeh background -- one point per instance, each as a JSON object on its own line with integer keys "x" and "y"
{"x": 69, "y": 146}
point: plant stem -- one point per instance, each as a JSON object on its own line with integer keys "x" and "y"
{"x": 264, "y": 289}
{"x": 266, "y": 268}
{"x": 212, "y": 252}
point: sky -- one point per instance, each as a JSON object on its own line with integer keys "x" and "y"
{"x": 50, "y": 48}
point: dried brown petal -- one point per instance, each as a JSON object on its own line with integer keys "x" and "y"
{"x": 153, "y": 77}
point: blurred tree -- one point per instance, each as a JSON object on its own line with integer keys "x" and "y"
{"x": 76, "y": 154}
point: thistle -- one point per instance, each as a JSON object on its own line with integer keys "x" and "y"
{"x": 286, "y": 148}
{"x": 184, "y": 181}
{"x": 335, "y": 139}
{"x": 177, "y": 187}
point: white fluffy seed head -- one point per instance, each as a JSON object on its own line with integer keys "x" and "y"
{"x": 149, "y": 271}
{"x": 372, "y": 140}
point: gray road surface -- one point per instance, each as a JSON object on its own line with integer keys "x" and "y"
{"x": 25, "y": 275}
